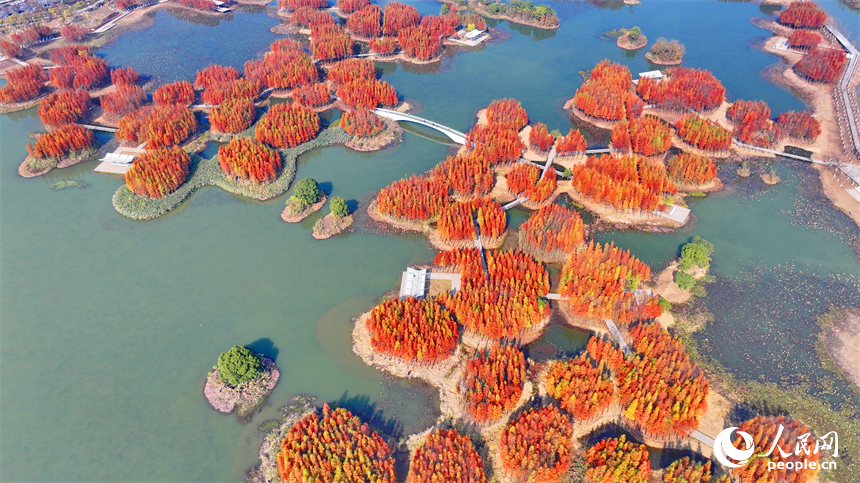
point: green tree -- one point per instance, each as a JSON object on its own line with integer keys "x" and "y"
{"x": 694, "y": 254}
{"x": 238, "y": 365}
{"x": 567, "y": 173}
{"x": 685, "y": 280}
{"x": 704, "y": 243}
{"x": 445, "y": 9}
{"x": 634, "y": 34}
{"x": 338, "y": 207}
{"x": 307, "y": 191}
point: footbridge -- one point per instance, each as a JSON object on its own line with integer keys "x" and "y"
{"x": 455, "y": 136}
{"x": 93, "y": 127}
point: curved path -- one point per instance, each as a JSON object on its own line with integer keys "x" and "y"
{"x": 455, "y": 136}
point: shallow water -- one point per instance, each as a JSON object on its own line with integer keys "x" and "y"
{"x": 109, "y": 326}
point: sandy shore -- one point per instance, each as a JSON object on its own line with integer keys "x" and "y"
{"x": 391, "y": 135}
{"x": 329, "y": 226}
{"x": 657, "y": 61}
{"x": 245, "y": 397}
{"x": 625, "y": 43}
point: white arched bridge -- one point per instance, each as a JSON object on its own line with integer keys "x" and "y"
{"x": 455, "y": 136}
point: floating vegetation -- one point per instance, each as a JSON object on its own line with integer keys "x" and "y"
{"x": 68, "y": 183}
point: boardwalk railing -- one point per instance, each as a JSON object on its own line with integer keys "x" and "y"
{"x": 783, "y": 154}
{"x": 455, "y": 136}
{"x": 843, "y": 97}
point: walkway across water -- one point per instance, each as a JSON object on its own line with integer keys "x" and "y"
{"x": 452, "y": 134}
{"x": 94, "y": 127}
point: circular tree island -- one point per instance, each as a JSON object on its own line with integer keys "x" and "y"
{"x": 666, "y": 52}
{"x": 632, "y": 39}
{"x": 243, "y": 379}
{"x": 307, "y": 198}
{"x": 335, "y": 222}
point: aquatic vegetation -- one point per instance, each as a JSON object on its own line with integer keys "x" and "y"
{"x": 457, "y": 220}
{"x": 552, "y": 231}
{"x": 61, "y": 142}
{"x": 526, "y": 180}
{"x": 703, "y": 133}
{"x": 663, "y": 391}
{"x": 446, "y": 455}
{"x": 691, "y": 168}
{"x": 415, "y": 330}
{"x": 598, "y": 283}
{"x": 536, "y": 445}
{"x": 158, "y": 172}
{"x": 287, "y": 125}
{"x": 336, "y": 447}
{"x": 504, "y": 301}
{"x": 63, "y": 107}
{"x": 627, "y": 182}
{"x": 493, "y": 382}
{"x": 249, "y": 159}
{"x": 616, "y": 460}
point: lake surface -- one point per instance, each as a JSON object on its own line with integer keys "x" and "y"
{"x": 109, "y": 326}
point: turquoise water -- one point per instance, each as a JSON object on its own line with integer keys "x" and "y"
{"x": 109, "y": 326}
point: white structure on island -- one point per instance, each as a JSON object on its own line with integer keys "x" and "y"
{"x": 414, "y": 282}
{"x": 651, "y": 74}
{"x": 118, "y": 159}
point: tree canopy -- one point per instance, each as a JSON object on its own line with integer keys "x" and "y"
{"x": 238, "y": 365}
{"x": 338, "y": 207}
{"x": 697, "y": 252}
{"x": 307, "y": 191}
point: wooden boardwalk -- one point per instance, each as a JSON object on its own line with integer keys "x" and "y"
{"x": 843, "y": 97}
{"x": 783, "y": 154}
{"x": 94, "y": 127}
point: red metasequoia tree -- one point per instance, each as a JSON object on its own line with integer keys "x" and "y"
{"x": 62, "y": 77}
{"x": 312, "y": 95}
{"x": 742, "y": 111}
{"x": 493, "y": 382}
{"x": 337, "y": 448}
{"x": 582, "y": 385}
{"x": 703, "y": 133}
{"x": 414, "y": 198}
{"x": 536, "y": 446}
{"x": 686, "y": 470}
{"x": 215, "y": 75}
{"x": 61, "y": 142}
{"x": 804, "y": 39}
{"x": 296, "y": 4}
{"x": 10, "y": 49}
{"x": 399, "y": 16}
{"x": 502, "y": 302}
{"x": 281, "y": 69}
{"x": 446, "y": 456}
{"x": 758, "y": 132}
{"x": 124, "y": 76}
{"x": 384, "y": 45}
{"x": 440, "y": 26}
{"x": 89, "y": 71}
{"x": 367, "y": 93}
{"x": 158, "y": 126}
{"x": 349, "y": 6}
{"x": 419, "y": 42}
{"x": 646, "y": 135}
{"x": 693, "y": 169}
{"x": 627, "y": 182}
{"x": 467, "y": 176}
{"x": 507, "y": 113}
{"x": 287, "y": 125}
{"x": 233, "y": 116}
{"x": 457, "y": 220}
{"x": 799, "y": 125}
{"x": 415, "y": 330}
{"x": 181, "y": 93}
{"x": 663, "y": 392}
{"x": 24, "y": 83}
{"x": 30, "y": 35}
{"x": 494, "y": 143}
{"x": 684, "y": 89}
{"x": 349, "y": 70}
{"x": 310, "y": 17}
{"x": 74, "y": 33}
{"x": 361, "y": 122}
{"x": 539, "y": 138}
{"x": 158, "y": 172}
{"x": 287, "y": 45}
{"x": 573, "y": 143}
{"x": 63, "y": 107}
{"x": 366, "y": 22}
{"x": 330, "y": 42}
{"x": 598, "y": 282}
{"x": 552, "y": 231}
{"x": 821, "y": 65}
{"x": 248, "y": 159}
{"x": 125, "y": 99}
{"x": 605, "y": 95}
{"x": 803, "y": 15}
{"x": 764, "y": 430}
{"x": 616, "y": 460}
{"x": 526, "y": 180}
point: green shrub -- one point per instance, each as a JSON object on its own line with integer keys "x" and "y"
{"x": 634, "y": 34}
{"x": 685, "y": 280}
{"x": 665, "y": 304}
{"x": 238, "y": 365}
{"x": 567, "y": 173}
{"x": 338, "y": 207}
{"x": 307, "y": 191}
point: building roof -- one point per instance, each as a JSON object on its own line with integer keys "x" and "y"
{"x": 414, "y": 283}
{"x": 653, "y": 74}
{"x": 116, "y": 158}
{"x": 473, "y": 34}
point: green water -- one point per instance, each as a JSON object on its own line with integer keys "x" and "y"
{"x": 109, "y": 326}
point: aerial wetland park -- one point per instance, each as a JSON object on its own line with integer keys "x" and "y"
{"x": 347, "y": 241}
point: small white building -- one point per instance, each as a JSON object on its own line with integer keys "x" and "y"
{"x": 651, "y": 74}
{"x": 472, "y": 35}
{"x": 117, "y": 159}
